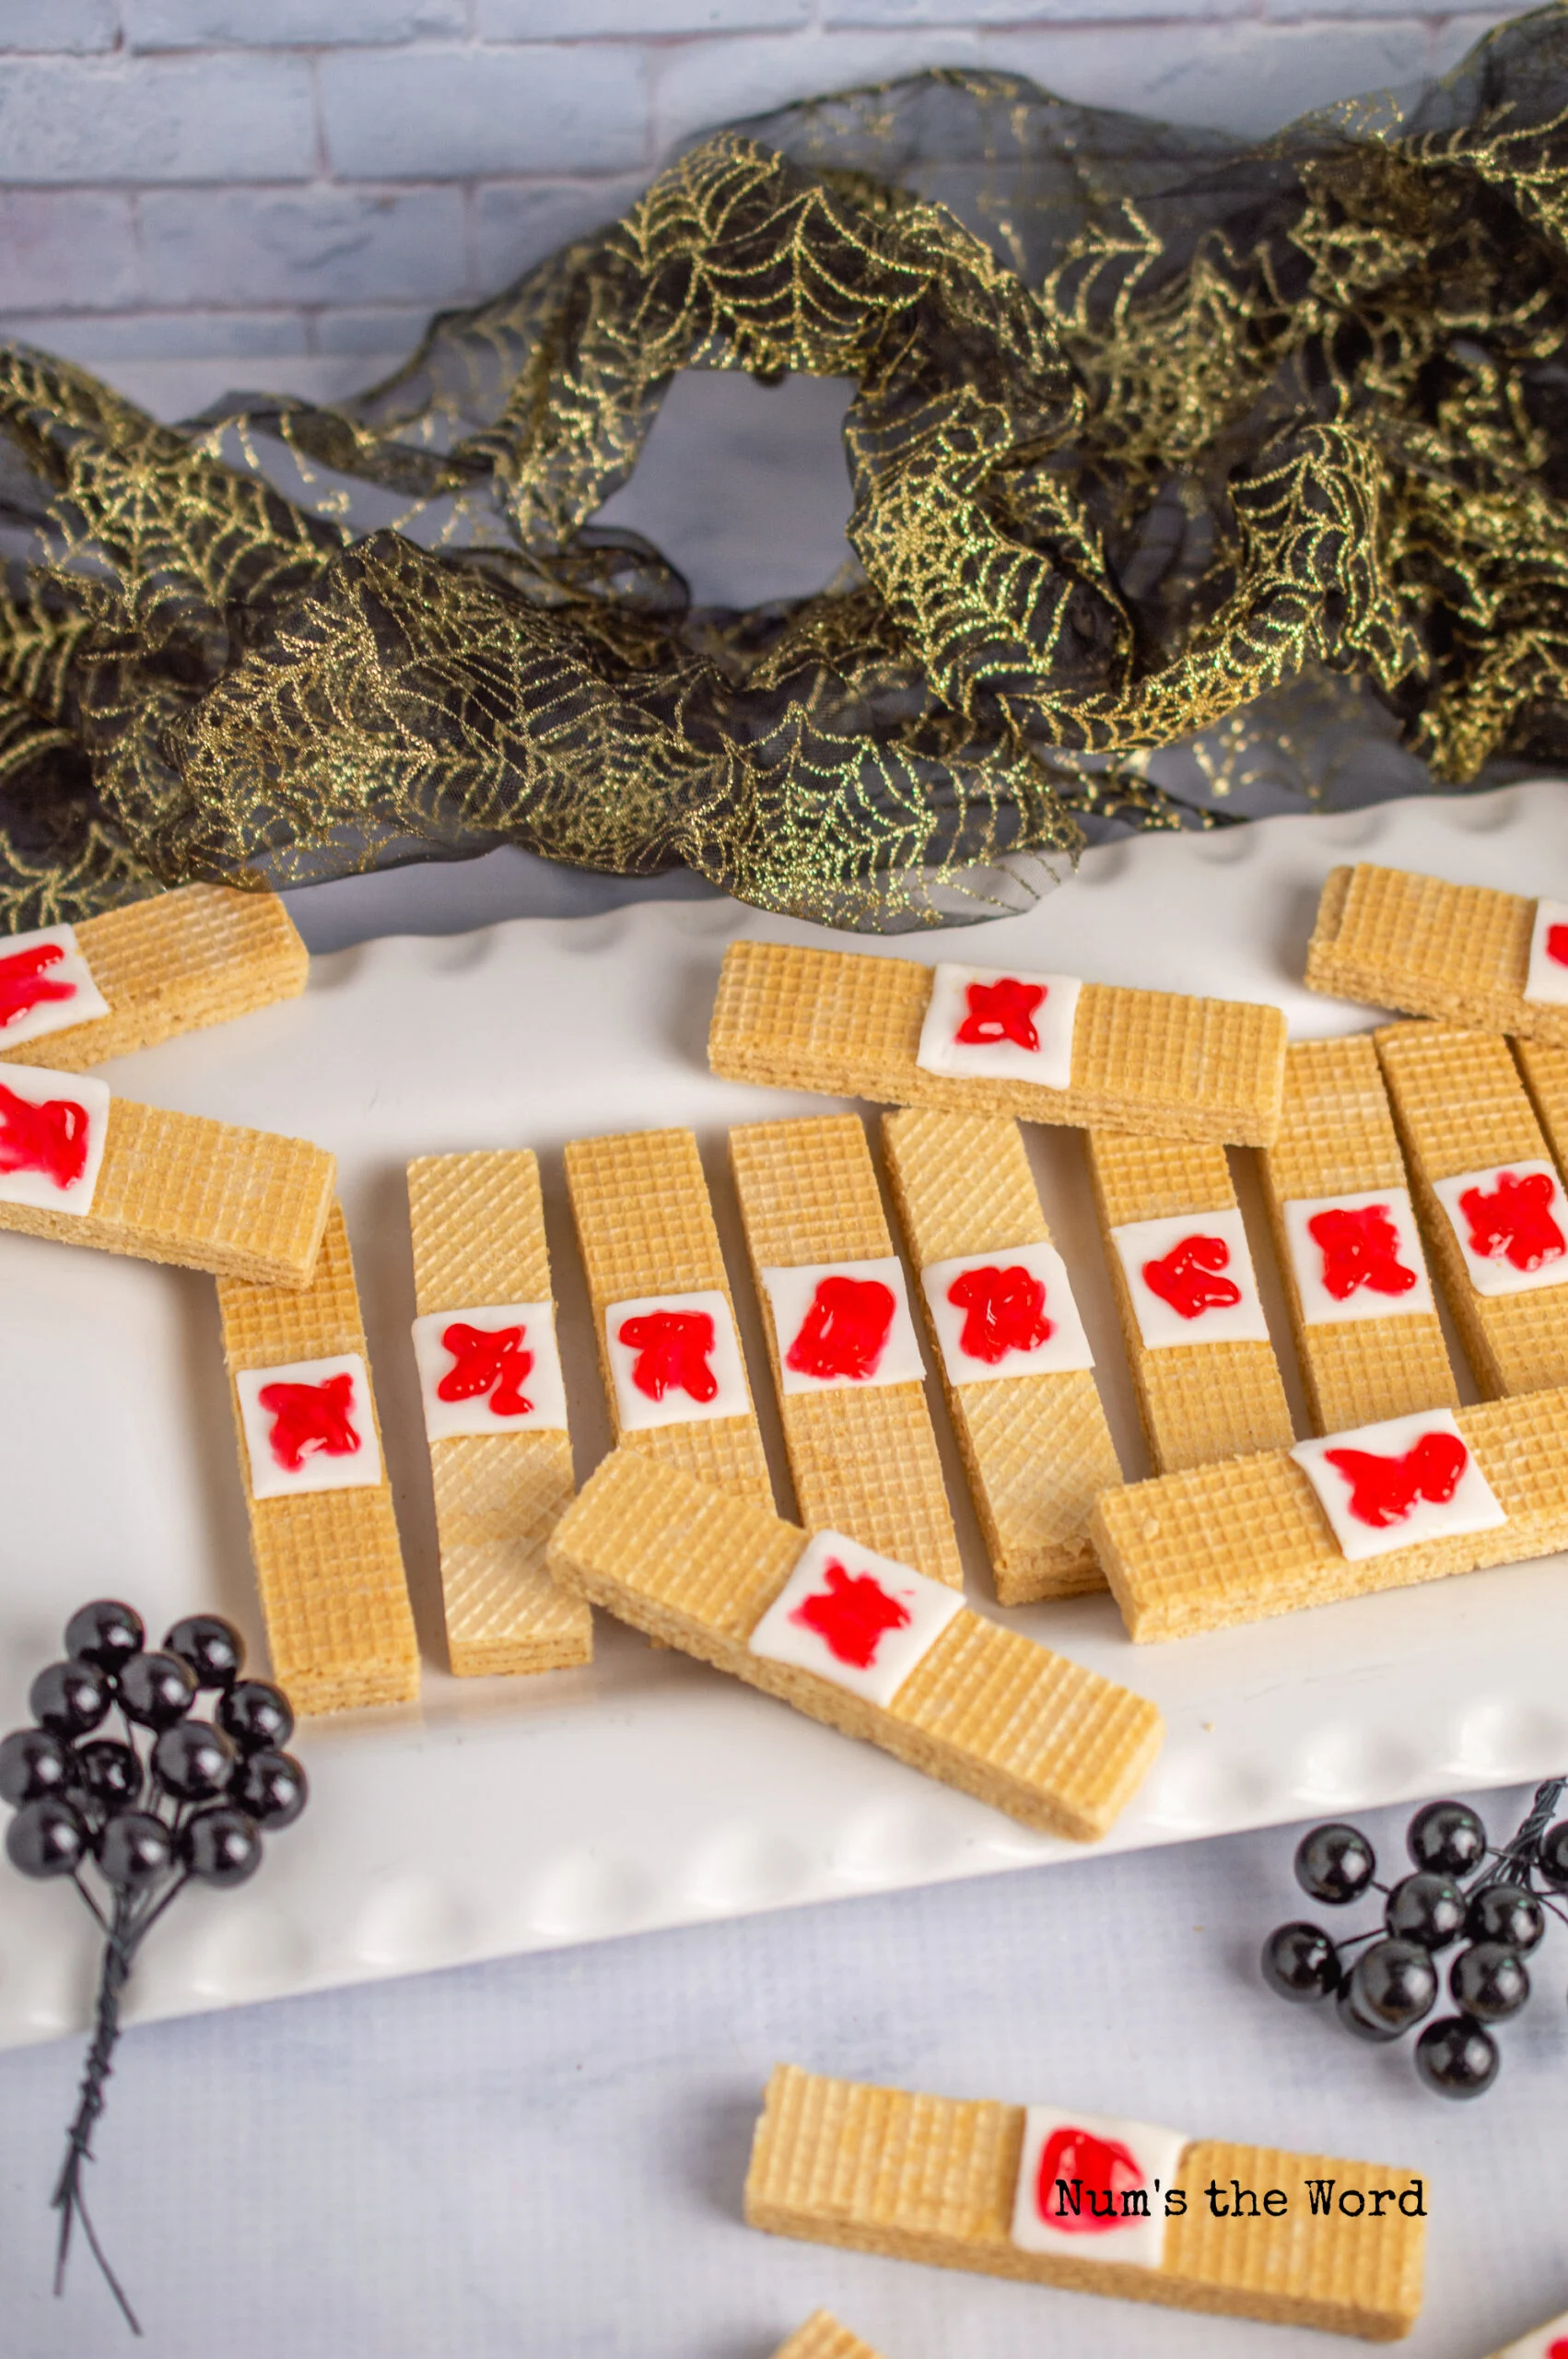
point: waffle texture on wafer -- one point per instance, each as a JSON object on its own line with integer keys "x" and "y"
{"x": 1151, "y": 1061}
{"x": 176, "y": 963}
{"x": 1036, "y": 1448}
{"x": 645, "y": 1227}
{"x": 1460, "y": 952}
{"x": 1460, "y": 1105}
{"x": 1247, "y": 1539}
{"x": 864, "y": 1461}
{"x": 328, "y": 1564}
{"x": 478, "y": 1229}
{"x": 822, "y": 2336}
{"x": 1337, "y": 1137}
{"x": 1545, "y": 1070}
{"x": 986, "y": 1709}
{"x": 1197, "y": 1401}
{"x": 933, "y": 2179}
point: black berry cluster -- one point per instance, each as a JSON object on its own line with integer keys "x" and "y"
{"x": 1493, "y": 1904}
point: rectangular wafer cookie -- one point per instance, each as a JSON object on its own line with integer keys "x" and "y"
{"x": 1036, "y": 1447}
{"x": 864, "y": 1457}
{"x": 645, "y": 1228}
{"x": 822, "y": 2336}
{"x": 1337, "y": 1139}
{"x": 478, "y": 1230}
{"x": 849, "y": 1025}
{"x": 984, "y": 1708}
{"x": 1460, "y": 1106}
{"x": 936, "y": 2179}
{"x": 1458, "y": 952}
{"x": 1548, "y": 2342}
{"x": 1545, "y": 1072}
{"x": 1205, "y": 1398}
{"x": 184, "y": 959}
{"x": 1244, "y": 1540}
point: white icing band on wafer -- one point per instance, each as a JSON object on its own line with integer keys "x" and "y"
{"x": 1547, "y": 982}
{"x": 52, "y": 1127}
{"x": 1395, "y": 1484}
{"x": 1000, "y": 1024}
{"x": 1512, "y": 1223}
{"x": 1202, "y": 1261}
{"x": 500, "y": 1369}
{"x": 1548, "y": 2342}
{"x": 675, "y": 1360}
{"x": 1093, "y": 2188}
{"x": 843, "y": 1325}
{"x": 46, "y": 985}
{"x": 308, "y": 1427}
{"x": 1364, "y": 1259}
{"x": 1014, "y": 1315}
{"x": 853, "y": 1617}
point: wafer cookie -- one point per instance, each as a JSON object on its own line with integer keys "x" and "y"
{"x": 1545, "y": 1070}
{"x": 1151, "y": 1061}
{"x": 72, "y": 996}
{"x": 500, "y": 1455}
{"x": 649, "y": 1245}
{"x": 1472, "y": 1142}
{"x": 868, "y": 1647}
{"x": 1548, "y": 2342}
{"x": 1367, "y": 1333}
{"x": 85, "y": 1168}
{"x": 862, "y": 1452}
{"x": 972, "y": 2184}
{"x": 1023, "y": 1402}
{"x": 1180, "y": 1267}
{"x": 1459, "y": 952}
{"x": 822, "y": 2336}
{"x": 1250, "y": 1538}
{"x": 322, "y": 1534}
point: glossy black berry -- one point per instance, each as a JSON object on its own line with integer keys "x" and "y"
{"x": 1553, "y": 1855}
{"x": 34, "y": 1762}
{"x": 134, "y": 1849}
{"x": 157, "y": 1690}
{"x": 1490, "y": 1982}
{"x": 1447, "y": 1837}
{"x": 255, "y": 1714}
{"x": 47, "y": 1838}
{"x": 1335, "y": 1863}
{"x": 1508, "y": 1914}
{"x": 1392, "y": 1985}
{"x": 111, "y": 1773}
{"x": 70, "y": 1697}
{"x": 1301, "y": 1963}
{"x": 193, "y": 1761}
{"x": 1456, "y": 2058}
{"x": 222, "y": 1846}
{"x": 212, "y": 1646}
{"x": 1427, "y": 1908}
{"x": 271, "y": 1787}
{"x": 105, "y": 1633}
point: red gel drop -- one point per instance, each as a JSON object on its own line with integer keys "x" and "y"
{"x": 845, "y": 1328}
{"x": 1186, "y": 1278}
{"x": 673, "y": 1348}
{"x": 850, "y": 1616}
{"x": 1383, "y": 1490}
{"x": 1559, "y": 2350}
{"x": 24, "y": 985}
{"x": 309, "y": 1419}
{"x": 1003, "y": 1312}
{"x": 52, "y": 1138}
{"x": 1104, "y": 2166}
{"x": 1512, "y": 1221}
{"x": 487, "y": 1360}
{"x": 1360, "y": 1248}
{"x": 1000, "y": 1011}
{"x": 1557, "y": 949}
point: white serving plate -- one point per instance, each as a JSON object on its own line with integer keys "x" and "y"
{"x": 501, "y": 1816}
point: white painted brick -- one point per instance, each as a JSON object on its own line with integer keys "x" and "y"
{"x": 270, "y": 24}
{"x": 317, "y": 245}
{"x": 382, "y": 333}
{"x": 635, "y": 19}
{"x": 157, "y": 119}
{"x": 66, "y": 27}
{"x": 463, "y": 114}
{"x": 516, "y": 224}
{"x": 699, "y": 85}
{"x": 163, "y": 335}
{"x": 1455, "y": 35}
{"x": 904, "y": 14}
{"x": 63, "y": 247}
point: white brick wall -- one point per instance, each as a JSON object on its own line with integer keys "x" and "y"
{"x": 199, "y": 192}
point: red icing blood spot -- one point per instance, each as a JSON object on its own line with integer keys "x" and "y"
{"x": 308, "y": 1418}
{"x": 52, "y": 1138}
{"x": 850, "y": 1616}
{"x": 672, "y": 1349}
{"x": 1103, "y": 2168}
{"x": 487, "y": 1360}
{"x": 1000, "y": 1011}
{"x": 1360, "y": 1249}
{"x": 1383, "y": 1490}
{"x": 24, "y": 985}
{"x": 1559, "y": 2350}
{"x": 845, "y": 1331}
{"x": 1512, "y": 1221}
{"x": 1003, "y": 1312}
{"x": 1186, "y": 1278}
{"x": 1557, "y": 949}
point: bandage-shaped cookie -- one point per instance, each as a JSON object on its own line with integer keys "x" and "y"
{"x": 1490, "y": 1199}
{"x": 1091, "y": 2203}
{"x": 822, "y": 2336}
{"x": 1207, "y": 1379}
{"x": 663, "y": 1311}
{"x": 495, "y": 1410}
{"x": 1366, "y": 1328}
{"x": 869, "y": 1646}
{"x": 71, "y": 996}
{"x": 1015, "y": 1360}
{"x": 1548, "y": 2342}
{"x": 85, "y": 1168}
{"x": 1459, "y": 952}
{"x": 975, "y": 1040}
{"x": 841, "y": 1340}
{"x": 1545, "y": 1069}
{"x": 1381, "y": 1507}
{"x": 322, "y": 1534}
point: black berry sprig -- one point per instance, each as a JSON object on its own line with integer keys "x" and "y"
{"x": 169, "y": 1799}
{"x": 1497, "y": 1901}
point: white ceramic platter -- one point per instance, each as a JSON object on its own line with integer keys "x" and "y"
{"x": 512, "y": 1815}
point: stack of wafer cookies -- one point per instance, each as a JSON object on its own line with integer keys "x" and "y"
{"x": 822, "y": 2336}
{"x": 482, "y": 1274}
{"x": 1035, "y": 1444}
{"x": 1459, "y": 952}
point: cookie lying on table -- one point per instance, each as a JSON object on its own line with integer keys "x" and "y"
{"x": 1461, "y": 952}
